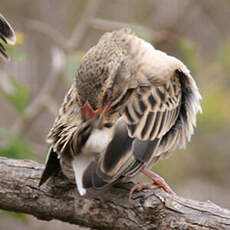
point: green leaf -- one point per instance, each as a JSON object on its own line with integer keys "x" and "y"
{"x": 189, "y": 54}
{"x": 18, "y": 96}
{"x": 14, "y": 146}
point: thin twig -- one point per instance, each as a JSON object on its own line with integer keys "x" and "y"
{"x": 43, "y": 28}
{"x": 39, "y": 103}
{"x": 80, "y": 30}
{"x": 68, "y": 45}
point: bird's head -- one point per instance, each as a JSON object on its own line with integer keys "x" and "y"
{"x": 113, "y": 87}
{"x": 103, "y": 78}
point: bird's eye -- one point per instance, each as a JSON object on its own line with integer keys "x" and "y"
{"x": 75, "y": 110}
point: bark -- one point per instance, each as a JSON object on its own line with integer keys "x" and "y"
{"x": 58, "y": 199}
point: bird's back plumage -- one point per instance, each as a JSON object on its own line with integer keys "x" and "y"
{"x": 153, "y": 103}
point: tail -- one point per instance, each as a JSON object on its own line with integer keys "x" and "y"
{"x": 7, "y": 34}
{"x": 52, "y": 166}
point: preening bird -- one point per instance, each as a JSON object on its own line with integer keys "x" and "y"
{"x": 7, "y": 35}
{"x": 129, "y": 106}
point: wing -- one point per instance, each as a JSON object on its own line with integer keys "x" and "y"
{"x": 67, "y": 121}
{"x": 52, "y": 166}
{"x": 149, "y": 114}
{"x": 7, "y": 35}
{"x": 64, "y": 129}
{"x": 155, "y": 120}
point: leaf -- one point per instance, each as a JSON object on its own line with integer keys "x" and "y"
{"x": 14, "y": 146}
{"x": 18, "y": 96}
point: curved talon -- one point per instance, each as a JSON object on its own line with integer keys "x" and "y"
{"x": 158, "y": 181}
{"x": 140, "y": 186}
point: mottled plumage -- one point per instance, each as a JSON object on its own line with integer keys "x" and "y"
{"x": 144, "y": 105}
{"x": 7, "y": 35}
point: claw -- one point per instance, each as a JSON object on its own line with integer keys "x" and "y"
{"x": 158, "y": 182}
{"x": 140, "y": 186}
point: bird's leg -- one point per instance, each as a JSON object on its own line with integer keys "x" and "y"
{"x": 140, "y": 186}
{"x": 158, "y": 182}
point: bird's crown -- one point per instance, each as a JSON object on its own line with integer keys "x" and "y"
{"x": 104, "y": 66}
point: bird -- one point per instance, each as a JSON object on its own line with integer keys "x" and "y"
{"x": 129, "y": 106}
{"x": 7, "y": 35}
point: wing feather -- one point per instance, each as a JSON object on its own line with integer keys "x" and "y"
{"x": 7, "y": 35}
{"x": 158, "y": 109}
{"x": 149, "y": 114}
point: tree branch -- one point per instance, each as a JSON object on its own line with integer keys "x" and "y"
{"x": 38, "y": 105}
{"x": 68, "y": 45}
{"x": 58, "y": 199}
{"x": 150, "y": 34}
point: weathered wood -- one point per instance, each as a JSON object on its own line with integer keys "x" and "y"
{"x": 58, "y": 199}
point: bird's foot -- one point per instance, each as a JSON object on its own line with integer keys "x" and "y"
{"x": 140, "y": 186}
{"x": 158, "y": 181}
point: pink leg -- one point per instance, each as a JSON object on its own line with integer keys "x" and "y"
{"x": 157, "y": 182}
{"x": 139, "y": 186}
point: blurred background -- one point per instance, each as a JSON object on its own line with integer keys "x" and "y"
{"x": 52, "y": 37}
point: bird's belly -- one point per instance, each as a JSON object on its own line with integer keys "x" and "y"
{"x": 98, "y": 141}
